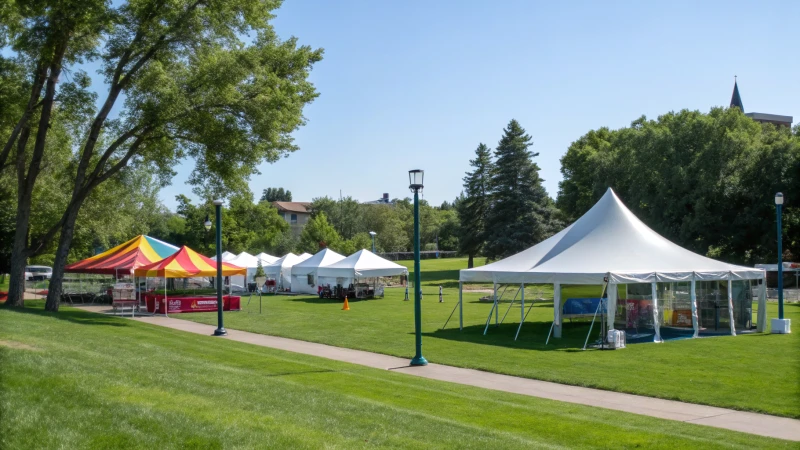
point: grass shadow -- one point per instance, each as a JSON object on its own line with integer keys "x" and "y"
{"x": 76, "y": 316}
{"x": 532, "y": 336}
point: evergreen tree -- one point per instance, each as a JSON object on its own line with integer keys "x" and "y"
{"x": 522, "y": 214}
{"x": 276, "y": 195}
{"x": 473, "y": 209}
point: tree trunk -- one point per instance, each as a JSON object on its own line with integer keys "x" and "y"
{"x": 55, "y": 287}
{"x": 19, "y": 254}
{"x": 470, "y": 262}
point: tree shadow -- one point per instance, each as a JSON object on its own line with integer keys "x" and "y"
{"x": 532, "y": 336}
{"x": 70, "y": 315}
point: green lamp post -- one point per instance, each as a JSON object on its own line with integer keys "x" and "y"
{"x": 415, "y": 178}
{"x": 220, "y": 331}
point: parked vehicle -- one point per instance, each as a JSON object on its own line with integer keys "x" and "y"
{"x": 37, "y": 273}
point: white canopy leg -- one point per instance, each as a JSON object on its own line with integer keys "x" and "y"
{"x": 693, "y": 299}
{"x": 521, "y": 309}
{"x": 460, "y": 307}
{"x": 656, "y": 320}
{"x": 611, "y": 304}
{"x": 761, "y": 320}
{"x": 730, "y": 305}
{"x": 496, "y": 307}
{"x": 557, "y": 310}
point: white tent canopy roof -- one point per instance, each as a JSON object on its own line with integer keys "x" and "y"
{"x": 324, "y": 257}
{"x": 266, "y": 258}
{"x": 362, "y": 264}
{"x": 226, "y": 256}
{"x": 607, "y": 241}
{"x": 305, "y": 256}
{"x": 283, "y": 263}
{"x": 244, "y": 259}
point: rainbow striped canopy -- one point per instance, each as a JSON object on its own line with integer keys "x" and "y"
{"x": 187, "y": 263}
{"x": 124, "y": 258}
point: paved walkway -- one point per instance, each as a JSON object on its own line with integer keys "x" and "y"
{"x": 760, "y": 424}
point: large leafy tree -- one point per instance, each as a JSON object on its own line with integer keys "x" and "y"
{"x": 704, "y": 181}
{"x": 185, "y": 82}
{"x": 317, "y": 234}
{"x": 522, "y": 214}
{"x": 473, "y": 209}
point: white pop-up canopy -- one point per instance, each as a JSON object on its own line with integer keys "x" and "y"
{"x": 609, "y": 243}
{"x": 226, "y": 256}
{"x": 281, "y": 270}
{"x": 362, "y": 264}
{"x": 247, "y": 261}
{"x": 304, "y": 273}
{"x": 266, "y": 258}
{"x": 305, "y": 256}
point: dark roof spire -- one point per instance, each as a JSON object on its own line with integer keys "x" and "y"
{"x": 736, "y": 99}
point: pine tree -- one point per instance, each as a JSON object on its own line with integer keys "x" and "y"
{"x": 522, "y": 214}
{"x": 474, "y": 207}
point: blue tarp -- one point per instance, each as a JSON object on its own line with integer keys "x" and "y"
{"x": 581, "y": 306}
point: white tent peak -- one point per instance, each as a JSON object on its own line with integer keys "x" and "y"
{"x": 608, "y": 240}
{"x": 362, "y": 263}
{"x": 266, "y": 258}
{"x": 323, "y": 257}
{"x": 304, "y": 256}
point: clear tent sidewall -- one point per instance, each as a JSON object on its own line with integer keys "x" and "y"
{"x": 614, "y": 280}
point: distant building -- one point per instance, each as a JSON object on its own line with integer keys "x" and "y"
{"x": 381, "y": 201}
{"x": 296, "y": 214}
{"x": 775, "y": 119}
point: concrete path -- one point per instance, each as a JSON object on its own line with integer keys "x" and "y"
{"x": 760, "y": 424}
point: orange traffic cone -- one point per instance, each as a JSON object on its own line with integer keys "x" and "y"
{"x": 346, "y": 306}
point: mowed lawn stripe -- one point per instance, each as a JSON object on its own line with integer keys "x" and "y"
{"x": 77, "y": 379}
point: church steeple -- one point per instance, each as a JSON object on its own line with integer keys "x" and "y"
{"x": 736, "y": 99}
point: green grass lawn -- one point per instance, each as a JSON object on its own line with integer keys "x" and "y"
{"x": 756, "y": 372}
{"x": 4, "y": 284}
{"x": 81, "y": 380}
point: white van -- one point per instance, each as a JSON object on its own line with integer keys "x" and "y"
{"x": 38, "y": 273}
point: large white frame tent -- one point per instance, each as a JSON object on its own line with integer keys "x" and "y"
{"x": 610, "y": 244}
{"x": 302, "y": 270}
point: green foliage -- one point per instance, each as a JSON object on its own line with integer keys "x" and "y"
{"x": 276, "y": 195}
{"x": 473, "y": 209}
{"x": 286, "y": 242}
{"x": 703, "y": 181}
{"x": 247, "y": 226}
{"x": 522, "y": 214}
{"x": 317, "y": 234}
{"x": 345, "y": 214}
{"x": 259, "y": 271}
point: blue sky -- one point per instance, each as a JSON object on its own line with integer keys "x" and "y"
{"x": 418, "y": 84}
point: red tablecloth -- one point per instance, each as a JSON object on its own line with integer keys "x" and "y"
{"x": 155, "y": 303}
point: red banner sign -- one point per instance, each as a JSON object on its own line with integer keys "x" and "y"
{"x": 157, "y": 303}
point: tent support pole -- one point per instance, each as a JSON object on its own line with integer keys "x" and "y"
{"x": 761, "y": 318}
{"x": 166, "y": 303}
{"x": 599, "y": 305}
{"x": 656, "y": 321}
{"x": 549, "y": 333}
{"x": 521, "y": 310}
{"x": 695, "y": 317}
{"x": 451, "y": 315}
{"x": 509, "y": 306}
{"x": 489, "y": 319}
{"x": 730, "y": 305}
{"x": 557, "y": 310}
{"x": 497, "y": 305}
{"x": 460, "y": 307}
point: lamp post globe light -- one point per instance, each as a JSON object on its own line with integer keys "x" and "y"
{"x": 373, "y": 234}
{"x": 415, "y": 181}
{"x": 207, "y": 223}
{"x": 220, "y": 331}
{"x": 780, "y": 325}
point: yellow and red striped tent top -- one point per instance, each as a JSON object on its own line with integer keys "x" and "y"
{"x": 187, "y": 263}
{"x": 126, "y": 257}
